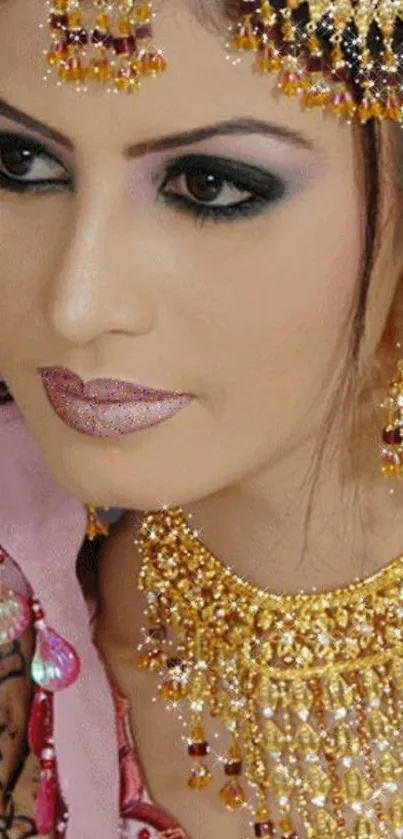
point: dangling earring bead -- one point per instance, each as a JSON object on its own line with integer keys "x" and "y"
{"x": 95, "y": 526}
{"x": 392, "y": 432}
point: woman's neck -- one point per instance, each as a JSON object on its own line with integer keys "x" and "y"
{"x": 286, "y": 534}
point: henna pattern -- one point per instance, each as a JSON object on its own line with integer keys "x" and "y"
{"x": 15, "y": 826}
{"x": 15, "y": 692}
{"x": 12, "y": 663}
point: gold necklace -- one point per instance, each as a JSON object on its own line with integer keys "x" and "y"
{"x": 308, "y": 686}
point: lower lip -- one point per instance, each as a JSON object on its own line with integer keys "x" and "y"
{"x": 112, "y": 419}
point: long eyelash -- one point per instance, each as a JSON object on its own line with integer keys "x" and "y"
{"x": 9, "y": 185}
{"x": 265, "y": 187}
{"x": 36, "y": 187}
{"x": 203, "y": 213}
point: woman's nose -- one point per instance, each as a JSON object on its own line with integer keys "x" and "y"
{"x": 102, "y": 280}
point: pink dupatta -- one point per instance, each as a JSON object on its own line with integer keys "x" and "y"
{"x": 43, "y": 528}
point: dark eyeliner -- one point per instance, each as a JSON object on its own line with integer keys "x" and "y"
{"x": 265, "y": 187}
{"x": 10, "y": 184}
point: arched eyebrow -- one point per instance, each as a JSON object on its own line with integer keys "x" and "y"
{"x": 231, "y": 127}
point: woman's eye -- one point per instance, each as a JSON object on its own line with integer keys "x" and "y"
{"x": 207, "y": 188}
{"x": 219, "y": 188}
{"x": 26, "y": 166}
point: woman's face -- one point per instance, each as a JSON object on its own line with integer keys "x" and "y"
{"x": 237, "y": 289}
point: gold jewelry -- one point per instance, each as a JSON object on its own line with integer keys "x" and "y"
{"x": 95, "y": 525}
{"x": 309, "y": 686}
{"x": 354, "y": 43}
{"x": 392, "y": 432}
{"x": 116, "y": 51}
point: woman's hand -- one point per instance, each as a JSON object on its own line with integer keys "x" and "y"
{"x": 19, "y": 771}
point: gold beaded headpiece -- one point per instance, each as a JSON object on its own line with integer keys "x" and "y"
{"x": 345, "y": 55}
{"x": 109, "y": 43}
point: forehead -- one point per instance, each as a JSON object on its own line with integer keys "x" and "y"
{"x": 200, "y": 86}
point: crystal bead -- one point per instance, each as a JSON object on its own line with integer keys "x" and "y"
{"x": 172, "y": 691}
{"x": 143, "y": 32}
{"x": 143, "y": 13}
{"x": 200, "y": 778}
{"x": 127, "y": 80}
{"x": 40, "y": 728}
{"x": 395, "y": 812}
{"x": 285, "y": 824}
{"x": 72, "y": 70}
{"x": 45, "y": 807}
{"x": 232, "y": 794}
{"x": 99, "y": 70}
{"x": 152, "y": 64}
{"x": 392, "y": 436}
{"x": 264, "y": 829}
{"x": 198, "y": 749}
{"x": 124, "y": 46}
{"x": 57, "y": 54}
{"x": 366, "y": 829}
{"x": 290, "y": 83}
{"x": 58, "y": 21}
{"x": 74, "y": 20}
{"x": 55, "y": 665}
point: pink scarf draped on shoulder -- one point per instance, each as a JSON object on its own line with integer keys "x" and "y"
{"x": 43, "y": 528}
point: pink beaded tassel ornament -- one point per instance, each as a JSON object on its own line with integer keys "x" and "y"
{"x": 15, "y": 611}
{"x": 55, "y": 666}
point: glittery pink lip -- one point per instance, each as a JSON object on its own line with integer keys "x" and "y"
{"x": 109, "y": 417}
{"x": 101, "y": 390}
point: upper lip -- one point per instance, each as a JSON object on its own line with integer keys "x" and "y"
{"x": 102, "y": 389}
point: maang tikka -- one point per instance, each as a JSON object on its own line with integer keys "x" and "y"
{"x": 322, "y": 49}
{"x": 103, "y": 41}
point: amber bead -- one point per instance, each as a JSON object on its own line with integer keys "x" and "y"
{"x": 232, "y": 794}
{"x": 143, "y": 13}
{"x": 200, "y": 778}
{"x": 172, "y": 691}
{"x": 99, "y": 70}
{"x": 285, "y": 825}
{"x": 57, "y": 54}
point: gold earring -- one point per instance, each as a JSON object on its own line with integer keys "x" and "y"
{"x": 95, "y": 525}
{"x": 117, "y": 50}
{"x": 392, "y": 432}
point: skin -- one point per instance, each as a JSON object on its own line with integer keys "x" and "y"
{"x": 253, "y": 317}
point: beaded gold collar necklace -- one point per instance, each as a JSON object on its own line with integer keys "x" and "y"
{"x": 308, "y": 686}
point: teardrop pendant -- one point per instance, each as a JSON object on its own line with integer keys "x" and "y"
{"x": 55, "y": 665}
